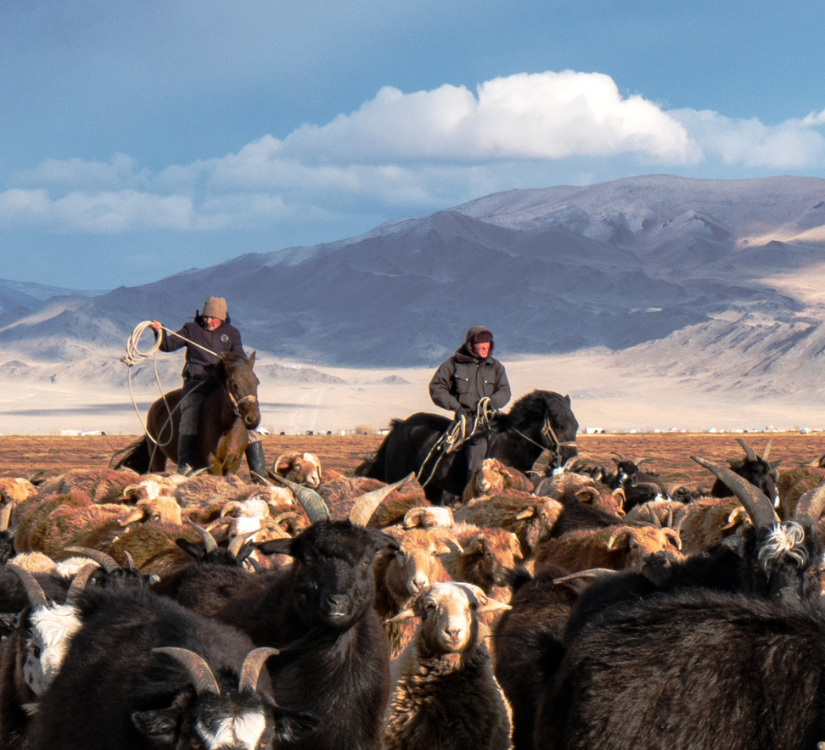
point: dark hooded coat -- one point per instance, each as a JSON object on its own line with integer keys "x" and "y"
{"x": 464, "y": 379}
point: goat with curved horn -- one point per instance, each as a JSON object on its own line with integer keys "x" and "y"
{"x": 757, "y": 503}
{"x": 101, "y": 558}
{"x": 209, "y": 543}
{"x": 312, "y": 503}
{"x": 203, "y": 679}
{"x": 366, "y": 504}
{"x": 34, "y": 591}
{"x": 810, "y": 506}
{"x": 252, "y": 665}
{"x": 751, "y": 456}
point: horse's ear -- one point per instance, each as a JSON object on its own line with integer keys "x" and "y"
{"x": 567, "y": 398}
{"x": 251, "y": 360}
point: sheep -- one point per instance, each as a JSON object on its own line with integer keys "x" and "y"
{"x": 16, "y": 490}
{"x": 100, "y": 485}
{"x": 659, "y": 512}
{"x": 709, "y": 520}
{"x": 492, "y": 477}
{"x": 301, "y": 468}
{"x": 427, "y": 517}
{"x": 616, "y": 547}
{"x": 162, "y": 677}
{"x": 339, "y": 493}
{"x": 447, "y": 697}
{"x": 401, "y": 574}
{"x": 484, "y": 558}
{"x": 791, "y": 485}
{"x": 580, "y": 512}
{"x": 530, "y": 518}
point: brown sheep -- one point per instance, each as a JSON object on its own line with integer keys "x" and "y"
{"x": 16, "y": 490}
{"x": 492, "y": 477}
{"x": 402, "y": 575}
{"x": 340, "y": 492}
{"x": 616, "y": 547}
{"x": 529, "y": 517}
{"x": 100, "y": 485}
{"x": 446, "y": 687}
{"x": 792, "y": 484}
{"x": 301, "y": 468}
{"x": 709, "y": 520}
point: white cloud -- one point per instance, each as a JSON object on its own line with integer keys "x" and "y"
{"x": 410, "y": 153}
{"x": 525, "y": 116}
{"x": 793, "y": 144}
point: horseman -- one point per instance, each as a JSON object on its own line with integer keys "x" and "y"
{"x": 467, "y": 377}
{"x": 208, "y": 336}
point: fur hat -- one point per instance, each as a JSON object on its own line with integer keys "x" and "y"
{"x": 482, "y": 337}
{"x": 214, "y": 307}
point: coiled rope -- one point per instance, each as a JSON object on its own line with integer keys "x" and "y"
{"x": 456, "y": 435}
{"x": 134, "y": 356}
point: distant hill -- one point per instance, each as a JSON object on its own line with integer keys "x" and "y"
{"x": 638, "y": 262}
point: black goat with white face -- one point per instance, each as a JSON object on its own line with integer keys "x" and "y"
{"x": 143, "y": 672}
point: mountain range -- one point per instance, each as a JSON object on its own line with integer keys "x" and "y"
{"x": 672, "y": 274}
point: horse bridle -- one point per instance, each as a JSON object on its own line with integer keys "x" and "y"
{"x": 236, "y": 402}
{"x": 549, "y": 434}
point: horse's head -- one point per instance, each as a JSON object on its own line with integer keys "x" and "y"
{"x": 241, "y": 383}
{"x": 547, "y": 418}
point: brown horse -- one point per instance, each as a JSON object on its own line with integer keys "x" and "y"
{"x": 230, "y": 409}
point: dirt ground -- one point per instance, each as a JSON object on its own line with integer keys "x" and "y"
{"x": 669, "y": 453}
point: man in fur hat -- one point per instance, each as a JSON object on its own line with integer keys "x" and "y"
{"x": 212, "y": 330}
{"x": 472, "y": 373}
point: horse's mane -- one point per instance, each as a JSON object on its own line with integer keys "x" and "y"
{"x": 524, "y": 410}
{"x": 227, "y": 365}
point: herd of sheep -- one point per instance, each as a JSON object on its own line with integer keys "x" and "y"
{"x": 592, "y": 607}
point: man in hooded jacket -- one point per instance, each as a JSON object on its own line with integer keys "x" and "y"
{"x": 469, "y": 375}
{"x": 214, "y": 335}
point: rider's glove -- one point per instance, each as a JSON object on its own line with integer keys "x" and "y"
{"x": 461, "y": 412}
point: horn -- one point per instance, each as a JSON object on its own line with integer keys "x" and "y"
{"x": 252, "y": 665}
{"x": 589, "y": 573}
{"x": 312, "y": 503}
{"x": 618, "y": 455}
{"x": 33, "y": 589}
{"x": 238, "y": 541}
{"x": 366, "y": 505}
{"x": 674, "y": 537}
{"x": 759, "y": 507}
{"x": 209, "y": 542}
{"x": 767, "y": 449}
{"x": 130, "y": 563}
{"x": 616, "y": 534}
{"x": 749, "y": 454}
{"x": 810, "y": 506}
{"x": 202, "y": 676}
{"x": 5, "y": 515}
{"x": 101, "y": 558}
{"x": 278, "y": 460}
{"x": 79, "y": 582}
{"x": 138, "y": 514}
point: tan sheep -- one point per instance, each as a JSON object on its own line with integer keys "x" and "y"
{"x": 708, "y": 520}
{"x": 100, "y": 485}
{"x": 492, "y": 477}
{"x": 301, "y": 468}
{"x": 616, "y": 547}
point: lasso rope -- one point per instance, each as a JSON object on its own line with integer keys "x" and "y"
{"x": 134, "y": 356}
{"x": 456, "y": 435}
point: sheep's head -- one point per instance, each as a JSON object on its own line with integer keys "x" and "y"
{"x": 493, "y": 553}
{"x": 449, "y": 616}
{"x": 300, "y": 468}
{"x": 643, "y": 541}
{"x": 417, "y": 563}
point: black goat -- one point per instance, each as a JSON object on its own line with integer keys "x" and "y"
{"x": 699, "y": 670}
{"x": 319, "y": 612}
{"x": 143, "y": 672}
{"x": 755, "y": 470}
{"x": 528, "y": 642}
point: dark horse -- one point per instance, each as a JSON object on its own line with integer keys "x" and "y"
{"x": 541, "y": 420}
{"x": 230, "y": 409}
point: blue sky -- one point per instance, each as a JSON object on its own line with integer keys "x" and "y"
{"x": 144, "y": 137}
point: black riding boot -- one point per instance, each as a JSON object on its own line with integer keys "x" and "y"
{"x": 257, "y": 462}
{"x": 186, "y": 452}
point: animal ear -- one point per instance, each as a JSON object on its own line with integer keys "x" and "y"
{"x": 159, "y": 726}
{"x": 193, "y": 549}
{"x": 276, "y": 547}
{"x": 567, "y": 398}
{"x": 251, "y": 359}
{"x": 383, "y": 541}
{"x": 492, "y": 605}
{"x": 291, "y": 726}
{"x": 405, "y": 615}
